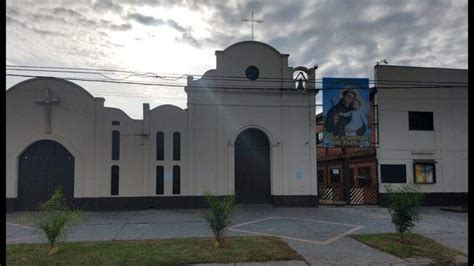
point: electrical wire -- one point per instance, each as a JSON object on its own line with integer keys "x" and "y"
{"x": 180, "y": 76}
{"x": 222, "y": 87}
{"x": 144, "y": 75}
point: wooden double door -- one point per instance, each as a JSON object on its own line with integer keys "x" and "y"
{"x": 252, "y": 168}
{"x": 43, "y": 167}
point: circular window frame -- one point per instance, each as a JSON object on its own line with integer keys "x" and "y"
{"x": 249, "y": 74}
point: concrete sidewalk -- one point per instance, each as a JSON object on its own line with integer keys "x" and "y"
{"x": 318, "y": 234}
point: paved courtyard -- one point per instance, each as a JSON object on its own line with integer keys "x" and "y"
{"x": 318, "y": 234}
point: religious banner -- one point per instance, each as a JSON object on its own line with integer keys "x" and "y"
{"x": 346, "y": 106}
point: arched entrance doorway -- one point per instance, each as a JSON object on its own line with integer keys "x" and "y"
{"x": 44, "y": 166}
{"x": 252, "y": 167}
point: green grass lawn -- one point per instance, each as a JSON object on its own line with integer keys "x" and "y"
{"x": 415, "y": 245}
{"x": 153, "y": 252}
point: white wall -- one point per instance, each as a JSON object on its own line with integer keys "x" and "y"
{"x": 219, "y": 111}
{"x": 208, "y": 127}
{"x": 446, "y": 144}
{"x": 72, "y": 125}
{"x": 167, "y": 119}
{"x": 83, "y": 125}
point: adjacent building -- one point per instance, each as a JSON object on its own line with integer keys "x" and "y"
{"x": 419, "y": 117}
{"x": 422, "y": 114}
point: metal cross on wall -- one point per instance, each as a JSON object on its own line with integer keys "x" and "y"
{"x": 47, "y": 101}
{"x": 252, "y": 21}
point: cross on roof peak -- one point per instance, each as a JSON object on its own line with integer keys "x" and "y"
{"x": 252, "y": 22}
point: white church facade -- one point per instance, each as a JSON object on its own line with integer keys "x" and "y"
{"x": 246, "y": 131}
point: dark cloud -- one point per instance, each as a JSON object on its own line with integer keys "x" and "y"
{"x": 186, "y": 35}
{"x": 48, "y": 33}
{"x": 11, "y": 20}
{"x": 107, "y": 6}
{"x": 103, "y": 34}
{"x": 32, "y": 28}
{"x": 146, "y": 20}
{"x": 152, "y": 21}
{"x": 177, "y": 27}
{"x": 12, "y": 11}
{"x": 61, "y": 11}
{"x": 47, "y": 18}
{"x": 117, "y": 27}
{"x": 72, "y": 17}
{"x": 154, "y": 3}
{"x": 189, "y": 39}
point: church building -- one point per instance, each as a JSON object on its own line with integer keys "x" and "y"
{"x": 247, "y": 130}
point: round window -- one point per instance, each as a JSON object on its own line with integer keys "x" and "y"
{"x": 251, "y": 72}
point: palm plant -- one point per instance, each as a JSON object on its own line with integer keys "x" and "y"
{"x": 218, "y": 216}
{"x": 55, "y": 219}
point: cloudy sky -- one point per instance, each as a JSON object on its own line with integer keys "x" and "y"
{"x": 344, "y": 37}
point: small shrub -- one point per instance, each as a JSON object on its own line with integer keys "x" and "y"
{"x": 404, "y": 207}
{"x": 218, "y": 216}
{"x": 55, "y": 219}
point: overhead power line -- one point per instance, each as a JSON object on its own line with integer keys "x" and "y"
{"x": 175, "y": 77}
{"x": 130, "y": 74}
{"x": 184, "y": 97}
{"x": 221, "y": 87}
{"x": 139, "y": 83}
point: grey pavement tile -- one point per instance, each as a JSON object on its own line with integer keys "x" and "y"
{"x": 25, "y": 236}
{"x": 456, "y": 241}
{"x": 163, "y": 216}
{"x": 96, "y": 232}
{"x": 344, "y": 251}
{"x": 20, "y": 218}
{"x": 119, "y": 217}
{"x": 296, "y": 228}
{"x": 12, "y": 229}
{"x": 164, "y": 230}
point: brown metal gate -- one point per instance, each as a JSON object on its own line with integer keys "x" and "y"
{"x": 359, "y": 188}
{"x": 331, "y": 185}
